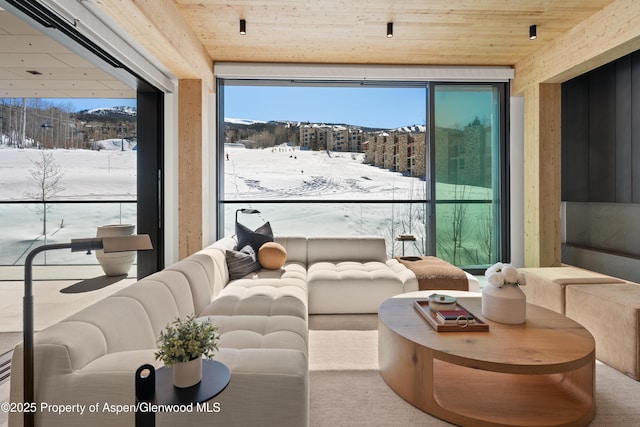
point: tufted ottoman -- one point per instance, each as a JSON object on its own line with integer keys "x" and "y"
{"x": 611, "y": 312}
{"x": 546, "y": 285}
{"x": 281, "y": 294}
{"x": 350, "y": 287}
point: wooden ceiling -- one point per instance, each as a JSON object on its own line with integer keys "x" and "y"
{"x": 32, "y": 65}
{"x": 452, "y": 32}
{"x": 188, "y": 35}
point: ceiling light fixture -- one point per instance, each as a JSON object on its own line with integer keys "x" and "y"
{"x": 389, "y": 29}
{"x": 243, "y": 27}
{"x": 533, "y": 33}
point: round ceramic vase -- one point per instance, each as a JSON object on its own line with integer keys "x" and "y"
{"x": 507, "y": 304}
{"x": 187, "y": 374}
{"x": 116, "y": 263}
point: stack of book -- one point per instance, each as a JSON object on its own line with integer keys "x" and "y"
{"x": 455, "y": 317}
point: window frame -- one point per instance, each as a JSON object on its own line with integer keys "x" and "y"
{"x": 502, "y": 85}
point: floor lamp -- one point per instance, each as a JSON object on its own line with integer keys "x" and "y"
{"x": 246, "y": 211}
{"x": 140, "y": 242}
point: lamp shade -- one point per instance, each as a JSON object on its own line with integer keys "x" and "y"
{"x": 136, "y": 242}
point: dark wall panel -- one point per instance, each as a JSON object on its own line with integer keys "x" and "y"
{"x": 602, "y": 134}
{"x": 623, "y": 166}
{"x": 635, "y": 127}
{"x": 601, "y": 116}
{"x": 575, "y": 141}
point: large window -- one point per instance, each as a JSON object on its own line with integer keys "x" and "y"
{"x": 468, "y": 129}
{"x": 68, "y": 166}
{"x": 365, "y": 159}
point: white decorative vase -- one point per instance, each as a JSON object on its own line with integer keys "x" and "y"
{"x": 116, "y": 263}
{"x": 507, "y": 304}
{"x": 187, "y": 374}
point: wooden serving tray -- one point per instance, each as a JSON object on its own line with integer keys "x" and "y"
{"x": 430, "y": 316}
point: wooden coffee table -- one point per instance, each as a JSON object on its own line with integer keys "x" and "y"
{"x": 540, "y": 373}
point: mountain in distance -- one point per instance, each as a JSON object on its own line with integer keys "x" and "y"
{"x": 112, "y": 114}
{"x": 235, "y": 123}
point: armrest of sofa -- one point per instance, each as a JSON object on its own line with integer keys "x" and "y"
{"x": 406, "y": 276}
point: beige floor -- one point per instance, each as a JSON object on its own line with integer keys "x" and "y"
{"x": 58, "y": 292}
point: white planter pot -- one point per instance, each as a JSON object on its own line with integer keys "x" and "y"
{"x": 117, "y": 263}
{"x": 187, "y": 374}
{"x": 507, "y": 304}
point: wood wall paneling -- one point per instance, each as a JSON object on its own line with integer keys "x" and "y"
{"x": 542, "y": 181}
{"x": 190, "y": 166}
{"x": 605, "y": 36}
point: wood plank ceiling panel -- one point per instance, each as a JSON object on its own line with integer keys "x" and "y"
{"x": 32, "y": 65}
{"x": 453, "y": 32}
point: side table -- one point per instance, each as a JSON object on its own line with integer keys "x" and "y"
{"x": 215, "y": 378}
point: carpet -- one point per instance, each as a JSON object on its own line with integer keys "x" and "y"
{"x": 347, "y": 390}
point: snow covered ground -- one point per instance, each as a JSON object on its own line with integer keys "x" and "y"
{"x": 298, "y": 192}
{"x": 349, "y": 198}
{"x": 86, "y": 175}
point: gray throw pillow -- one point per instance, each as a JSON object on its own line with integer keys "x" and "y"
{"x": 255, "y": 238}
{"x": 242, "y": 262}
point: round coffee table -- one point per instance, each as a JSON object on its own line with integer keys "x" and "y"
{"x": 540, "y": 373}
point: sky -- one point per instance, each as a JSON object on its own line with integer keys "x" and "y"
{"x": 376, "y": 107}
{"x": 367, "y": 106}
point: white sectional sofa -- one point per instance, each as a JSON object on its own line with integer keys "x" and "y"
{"x": 91, "y": 357}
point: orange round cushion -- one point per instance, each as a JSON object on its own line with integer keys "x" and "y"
{"x": 272, "y": 255}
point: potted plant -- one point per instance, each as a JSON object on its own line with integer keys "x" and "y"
{"x": 183, "y": 343}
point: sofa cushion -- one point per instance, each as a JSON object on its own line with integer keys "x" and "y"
{"x": 250, "y": 331}
{"x": 242, "y": 262}
{"x": 196, "y": 275}
{"x": 272, "y": 256}
{"x": 546, "y": 286}
{"x": 177, "y": 284}
{"x": 350, "y": 287}
{"x": 611, "y": 312}
{"x": 336, "y": 249}
{"x": 296, "y": 247}
{"x": 255, "y": 238}
{"x": 269, "y": 387}
{"x": 267, "y": 296}
{"x": 123, "y": 322}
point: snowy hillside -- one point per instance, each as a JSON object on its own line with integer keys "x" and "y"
{"x": 107, "y": 111}
{"x": 326, "y": 193}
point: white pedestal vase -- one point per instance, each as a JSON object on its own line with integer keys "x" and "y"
{"x": 507, "y": 304}
{"x": 187, "y": 374}
{"x": 117, "y": 263}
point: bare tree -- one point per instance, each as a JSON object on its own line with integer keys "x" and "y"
{"x": 452, "y": 236}
{"x": 47, "y": 175}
